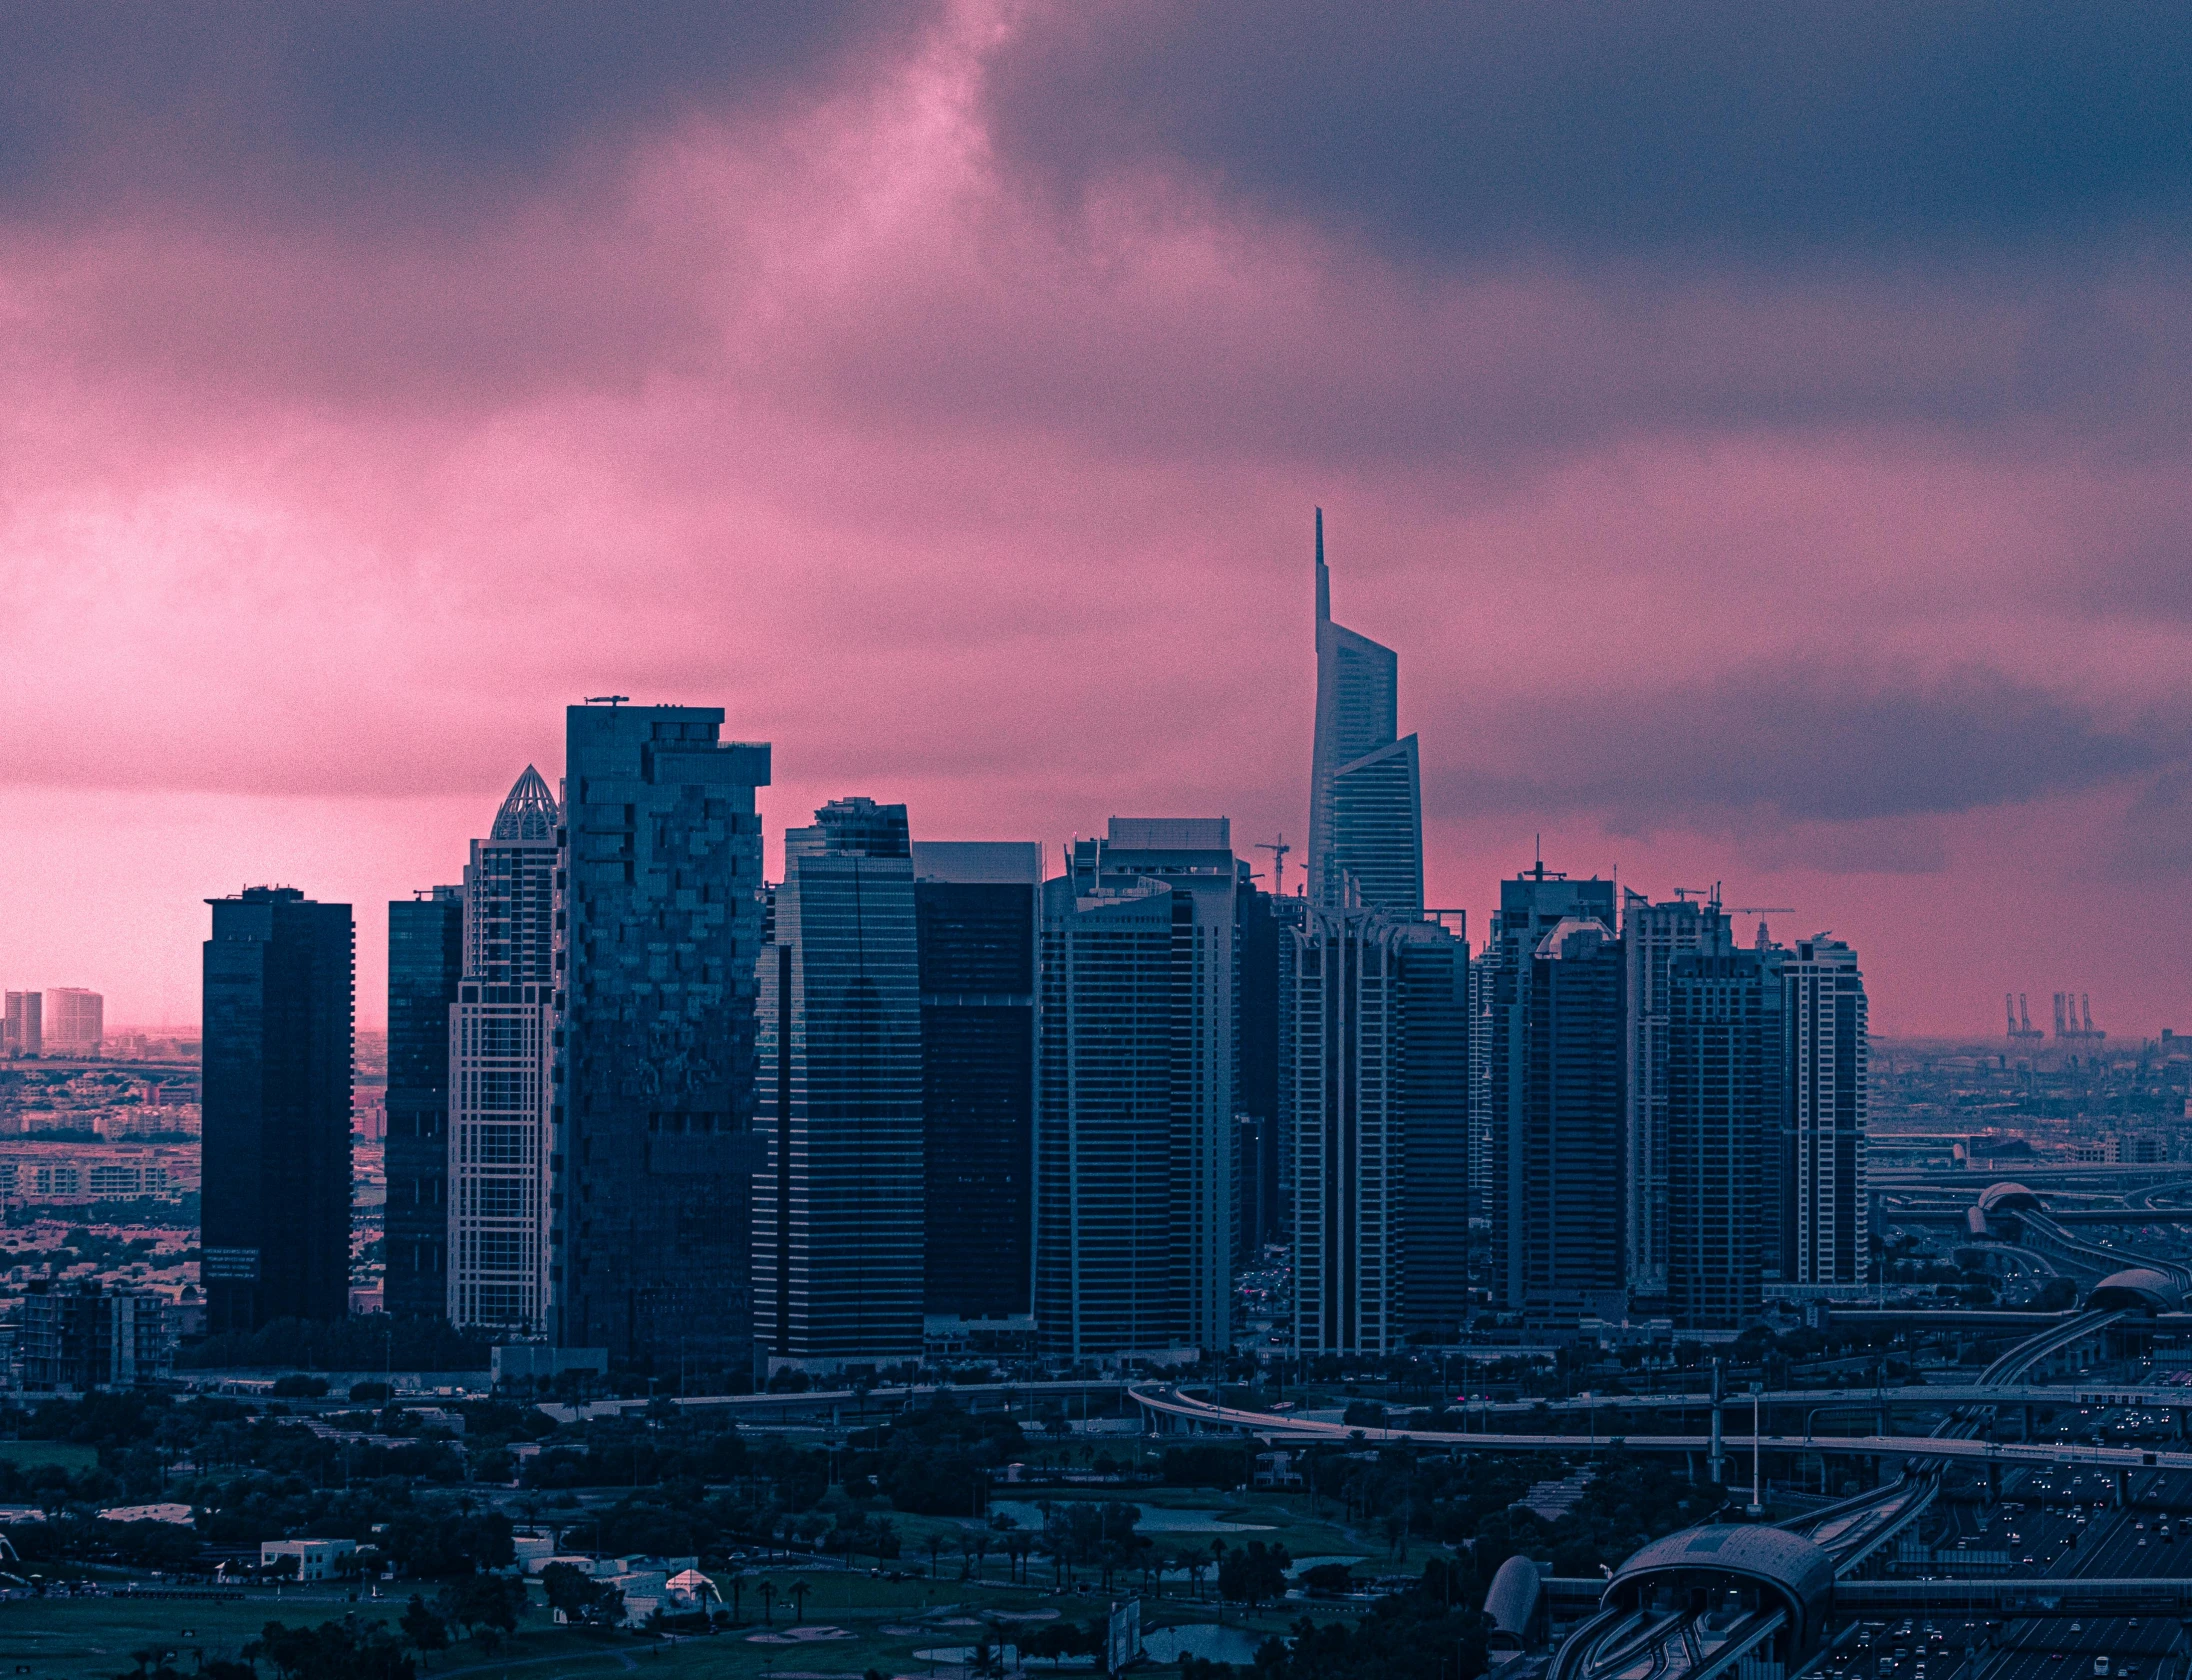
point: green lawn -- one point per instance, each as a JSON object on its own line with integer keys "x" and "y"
{"x": 35, "y": 1455}
{"x": 877, "y": 1624}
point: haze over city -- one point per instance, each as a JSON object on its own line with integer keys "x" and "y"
{"x": 1778, "y": 483}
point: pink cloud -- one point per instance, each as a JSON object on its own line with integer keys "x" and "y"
{"x": 309, "y": 530}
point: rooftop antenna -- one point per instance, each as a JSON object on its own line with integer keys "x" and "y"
{"x": 608, "y": 699}
{"x": 1324, "y": 578}
{"x": 1278, "y": 849}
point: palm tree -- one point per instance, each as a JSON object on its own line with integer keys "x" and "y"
{"x": 767, "y": 1589}
{"x": 981, "y": 1552}
{"x": 798, "y": 1596}
{"x": 936, "y": 1550}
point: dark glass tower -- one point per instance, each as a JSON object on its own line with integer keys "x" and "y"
{"x": 1558, "y": 1230}
{"x": 1725, "y": 1083}
{"x": 976, "y": 908}
{"x": 1530, "y": 907}
{"x": 840, "y": 1240}
{"x": 660, "y": 875}
{"x": 1434, "y": 1199}
{"x": 425, "y": 953}
{"x": 276, "y": 1169}
{"x": 1265, "y": 926}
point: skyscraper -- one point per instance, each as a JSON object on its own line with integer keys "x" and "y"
{"x": 500, "y": 1036}
{"x": 978, "y": 914}
{"x": 1653, "y": 935}
{"x": 1531, "y": 906}
{"x": 1723, "y": 1080}
{"x": 25, "y": 1032}
{"x": 425, "y": 957}
{"x": 1135, "y": 1134}
{"x": 659, "y": 874}
{"x": 75, "y": 1021}
{"x": 1365, "y": 798}
{"x": 1435, "y": 1133}
{"x": 1379, "y": 1058}
{"x": 1266, "y": 923}
{"x": 1828, "y": 1243}
{"x": 276, "y": 1171}
{"x": 839, "y": 1229}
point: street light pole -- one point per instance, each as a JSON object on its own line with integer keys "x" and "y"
{"x": 1757, "y": 1506}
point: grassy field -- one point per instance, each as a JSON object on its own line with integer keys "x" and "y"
{"x": 850, "y": 1623}
{"x": 35, "y": 1455}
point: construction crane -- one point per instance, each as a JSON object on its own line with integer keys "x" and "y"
{"x": 1278, "y": 849}
{"x": 2021, "y": 1028}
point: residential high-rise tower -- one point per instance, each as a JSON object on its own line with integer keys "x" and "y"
{"x": 500, "y": 1036}
{"x": 1135, "y": 1132}
{"x": 1828, "y": 1241}
{"x": 1652, "y": 936}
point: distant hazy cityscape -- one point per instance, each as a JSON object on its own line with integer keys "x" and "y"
{"x": 928, "y": 1105}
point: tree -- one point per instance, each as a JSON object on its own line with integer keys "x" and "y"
{"x": 580, "y": 1597}
{"x": 798, "y": 1595}
{"x": 423, "y": 1628}
{"x": 768, "y": 1603}
{"x": 936, "y": 1544}
{"x": 1252, "y": 1574}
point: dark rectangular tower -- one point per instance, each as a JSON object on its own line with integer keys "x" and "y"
{"x": 977, "y": 913}
{"x": 276, "y": 1150}
{"x": 1725, "y": 1090}
{"x": 1531, "y": 907}
{"x": 660, "y": 876}
{"x": 425, "y": 955}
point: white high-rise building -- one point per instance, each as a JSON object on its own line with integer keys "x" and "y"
{"x": 75, "y": 1023}
{"x": 1828, "y": 1074}
{"x": 501, "y": 1034}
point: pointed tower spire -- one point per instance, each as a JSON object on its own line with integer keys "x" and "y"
{"x": 530, "y": 811}
{"x": 1324, "y": 578}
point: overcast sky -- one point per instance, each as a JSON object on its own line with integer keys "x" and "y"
{"x": 1760, "y": 431}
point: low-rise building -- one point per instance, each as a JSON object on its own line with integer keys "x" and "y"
{"x": 317, "y": 1560}
{"x": 85, "y": 1338}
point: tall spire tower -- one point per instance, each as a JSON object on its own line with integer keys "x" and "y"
{"x": 1365, "y": 792}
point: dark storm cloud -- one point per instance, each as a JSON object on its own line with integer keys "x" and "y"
{"x": 1801, "y": 743}
{"x": 1874, "y": 127}
{"x": 296, "y": 107}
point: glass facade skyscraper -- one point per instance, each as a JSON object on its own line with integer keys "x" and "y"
{"x": 659, "y": 878}
{"x": 1136, "y": 1145}
{"x": 1724, "y": 1088}
{"x": 839, "y": 1229}
{"x": 977, "y": 910}
{"x": 279, "y": 975}
{"x": 1652, "y": 937}
{"x": 425, "y": 957}
{"x": 500, "y": 1035}
{"x": 1365, "y": 795}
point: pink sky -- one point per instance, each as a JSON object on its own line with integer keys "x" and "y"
{"x": 948, "y": 402}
